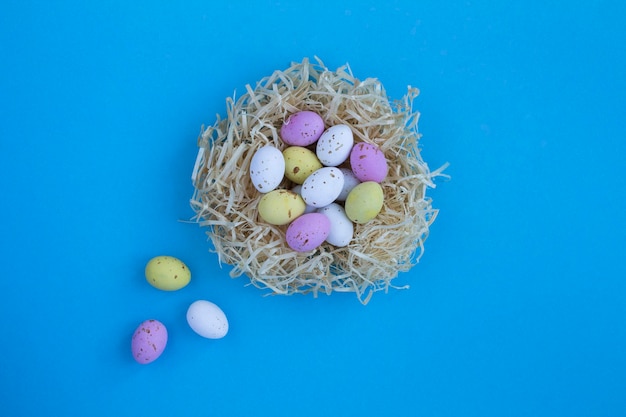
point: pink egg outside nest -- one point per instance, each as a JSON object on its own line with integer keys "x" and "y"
{"x": 307, "y": 232}
{"x": 149, "y": 341}
{"x": 302, "y": 128}
{"x": 368, "y": 162}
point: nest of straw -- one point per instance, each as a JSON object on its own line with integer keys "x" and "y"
{"x": 225, "y": 200}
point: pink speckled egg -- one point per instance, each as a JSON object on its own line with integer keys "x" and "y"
{"x": 368, "y": 162}
{"x": 149, "y": 341}
{"x": 267, "y": 168}
{"x": 302, "y": 128}
{"x": 307, "y": 232}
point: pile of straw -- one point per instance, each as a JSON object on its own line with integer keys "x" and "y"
{"x": 225, "y": 201}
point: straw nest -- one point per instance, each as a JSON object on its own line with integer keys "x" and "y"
{"x": 225, "y": 201}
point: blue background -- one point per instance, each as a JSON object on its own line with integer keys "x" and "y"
{"x": 518, "y": 307}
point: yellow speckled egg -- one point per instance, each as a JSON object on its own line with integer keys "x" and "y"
{"x": 300, "y": 163}
{"x": 167, "y": 273}
{"x": 280, "y": 207}
{"x": 364, "y": 202}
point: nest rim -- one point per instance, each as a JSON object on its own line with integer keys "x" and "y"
{"x": 224, "y": 200}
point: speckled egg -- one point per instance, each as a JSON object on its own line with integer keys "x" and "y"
{"x": 334, "y": 146}
{"x": 280, "y": 207}
{"x": 368, "y": 162}
{"x": 149, "y": 341}
{"x": 341, "y": 228}
{"x": 307, "y": 232}
{"x": 167, "y": 273}
{"x": 322, "y": 187}
{"x": 300, "y": 163}
{"x": 207, "y": 319}
{"x": 267, "y": 168}
{"x": 302, "y": 128}
{"x": 349, "y": 182}
{"x": 364, "y": 202}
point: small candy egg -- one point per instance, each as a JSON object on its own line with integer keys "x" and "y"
{"x": 368, "y": 162}
{"x": 364, "y": 202}
{"x": 167, "y": 273}
{"x": 280, "y": 207}
{"x": 334, "y": 146}
{"x": 149, "y": 341}
{"x": 307, "y": 232}
{"x": 207, "y": 319}
{"x": 298, "y": 190}
{"x": 349, "y": 182}
{"x": 302, "y": 128}
{"x": 341, "y": 228}
{"x": 267, "y": 168}
{"x": 322, "y": 187}
{"x": 300, "y": 163}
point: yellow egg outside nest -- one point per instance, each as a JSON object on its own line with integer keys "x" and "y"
{"x": 167, "y": 273}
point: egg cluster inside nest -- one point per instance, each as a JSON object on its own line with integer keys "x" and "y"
{"x": 225, "y": 200}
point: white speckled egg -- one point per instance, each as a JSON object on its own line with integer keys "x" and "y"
{"x": 322, "y": 187}
{"x": 334, "y": 146}
{"x": 349, "y": 182}
{"x": 341, "y": 228}
{"x": 267, "y": 168}
{"x": 207, "y": 319}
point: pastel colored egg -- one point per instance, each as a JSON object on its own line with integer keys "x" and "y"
{"x": 207, "y": 319}
{"x": 302, "y": 128}
{"x": 280, "y": 207}
{"x": 267, "y": 168}
{"x": 364, "y": 202}
{"x": 334, "y": 146}
{"x": 368, "y": 162}
{"x": 149, "y": 341}
{"x": 167, "y": 273}
{"x": 307, "y": 232}
{"x": 349, "y": 182}
{"x": 298, "y": 190}
{"x": 322, "y": 187}
{"x": 341, "y": 228}
{"x": 300, "y": 163}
